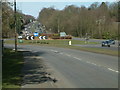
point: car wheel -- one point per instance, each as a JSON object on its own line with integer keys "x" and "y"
{"x": 108, "y": 45}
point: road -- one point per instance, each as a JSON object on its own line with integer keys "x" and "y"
{"x": 78, "y": 69}
{"x": 112, "y": 47}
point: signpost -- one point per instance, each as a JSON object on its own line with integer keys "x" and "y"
{"x": 15, "y": 26}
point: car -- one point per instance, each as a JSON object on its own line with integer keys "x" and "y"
{"x": 108, "y": 43}
{"x": 112, "y": 41}
{"x": 20, "y": 37}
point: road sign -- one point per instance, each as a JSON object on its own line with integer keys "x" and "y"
{"x": 40, "y": 37}
{"x": 27, "y": 37}
{"x": 62, "y": 34}
{"x": 32, "y": 37}
{"x": 44, "y": 37}
{"x": 20, "y": 41}
{"x": 36, "y": 34}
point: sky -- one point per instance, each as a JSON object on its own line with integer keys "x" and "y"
{"x": 33, "y": 7}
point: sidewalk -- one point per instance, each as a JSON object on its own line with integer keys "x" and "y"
{"x": 35, "y": 73}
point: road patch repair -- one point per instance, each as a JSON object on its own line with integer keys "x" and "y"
{"x": 35, "y": 73}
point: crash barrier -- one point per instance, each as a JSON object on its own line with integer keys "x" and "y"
{"x": 32, "y": 37}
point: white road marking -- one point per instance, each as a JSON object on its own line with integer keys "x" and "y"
{"x": 61, "y": 53}
{"x": 87, "y": 61}
{"x": 67, "y": 55}
{"x": 77, "y": 58}
{"x": 94, "y": 64}
{"x": 54, "y": 50}
{"x": 113, "y": 70}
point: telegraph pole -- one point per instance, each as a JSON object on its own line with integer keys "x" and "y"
{"x": 15, "y": 25}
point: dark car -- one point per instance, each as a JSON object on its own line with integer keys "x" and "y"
{"x": 108, "y": 43}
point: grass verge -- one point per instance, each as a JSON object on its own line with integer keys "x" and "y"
{"x": 12, "y": 64}
{"x": 64, "y": 44}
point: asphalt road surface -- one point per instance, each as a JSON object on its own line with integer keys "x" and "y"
{"x": 78, "y": 69}
{"x": 112, "y": 47}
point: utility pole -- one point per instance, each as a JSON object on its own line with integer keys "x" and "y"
{"x": 15, "y": 25}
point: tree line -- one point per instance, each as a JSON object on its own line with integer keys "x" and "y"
{"x": 100, "y": 20}
{"x": 8, "y": 20}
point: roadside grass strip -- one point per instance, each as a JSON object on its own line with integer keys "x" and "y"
{"x": 12, "y": 64}
{"x": 64, "y": 44}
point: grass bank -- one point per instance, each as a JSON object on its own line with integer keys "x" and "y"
{"x": 12, "y": 64}
{"x": 64, "y": 44}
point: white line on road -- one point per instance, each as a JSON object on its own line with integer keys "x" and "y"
{"x": 77, "y": 58}
{"x": 86, "y": 61}
{"x": 67, "y": 55}
{"x": 61, "y": 53}
{"x": 94, "y": 64}
{"x": 113, "y": 70}
{"x": 54, "y": 50}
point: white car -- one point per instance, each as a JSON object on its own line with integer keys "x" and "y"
{"x": 20, "y": 37}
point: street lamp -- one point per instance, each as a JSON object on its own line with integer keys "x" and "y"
{"x": 15, "y": 25}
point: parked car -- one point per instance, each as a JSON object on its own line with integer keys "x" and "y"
{"x": 108, "y": 43}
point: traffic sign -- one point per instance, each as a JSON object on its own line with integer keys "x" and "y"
{"x": 40, "y": 37}
{"x": 32, "y": 37}
{"x": 62, "y": 34}
{"x": 36, "y": 34}
{"x": 44, "y": 37}
{"x": 27, "y": 37}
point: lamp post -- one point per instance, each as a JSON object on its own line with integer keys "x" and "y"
{"x": 15, "y": 25}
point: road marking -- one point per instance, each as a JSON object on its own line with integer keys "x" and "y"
{"x": 54, "y": 51}
{"x": 113, "y": 70}
{"x": 52, "y": 84}
{"x": 68, "y": 55}
{"x": 77, "y": 58}
{"x": 88, "y": 62}
{"x": 94, "y": 64}
{"x": 61, "y": 53}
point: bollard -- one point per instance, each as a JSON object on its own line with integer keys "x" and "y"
{"x": 70, "y": 43}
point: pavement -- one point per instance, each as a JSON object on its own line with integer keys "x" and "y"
{"x": 35, "y": 73}
{"x": 74, "y": 68}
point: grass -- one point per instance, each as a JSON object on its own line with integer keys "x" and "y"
{"x": 96, "y": 50}
{"x": 12, "y": 64}
{"x": 52, "y": 42}
{"x": 64, "y": 44}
